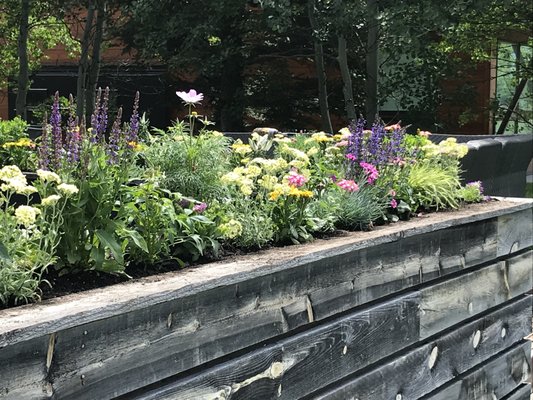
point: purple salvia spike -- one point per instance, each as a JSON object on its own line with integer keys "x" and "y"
{"x": 103, "y": 115}
{"x": 57, "y": 136}
{"x": 44, "y": 146}
{"x": 114, "y": 139}
{"x": 133, "y": 131}
{"x": 95, "y": 117}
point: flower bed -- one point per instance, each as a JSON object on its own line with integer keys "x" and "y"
{"x": 434, "y": 306}
{"x": 116, "y": 197}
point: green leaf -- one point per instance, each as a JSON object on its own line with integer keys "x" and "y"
{"x": 4, "y": 254}
{"x": 108, "y": 239}
{"x": 137, "y": 239}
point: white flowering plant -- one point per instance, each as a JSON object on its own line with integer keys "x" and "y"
{"x": 29, "y": 232}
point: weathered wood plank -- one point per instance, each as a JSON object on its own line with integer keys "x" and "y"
{"x": 430, "y": 366}
{"x": 24, "y": 369}
{"x": 514, "y": 232}
{"x": 454, "y": 300}
{"x": 263, "y": 295}
{"x": 195, "y": 329}
{"x": 522, "y": 393}
{"x": 493, "y": 380}
{"x": 306, "y": 361}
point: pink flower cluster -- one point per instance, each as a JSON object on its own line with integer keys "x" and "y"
{"x": 295, "y": 179}
{"x": 199, "y": 208}
{"x": 393, "y": 203}
{"x": 348, "y": 185}
{"x": 370, "y": 171}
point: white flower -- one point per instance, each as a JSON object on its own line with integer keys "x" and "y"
{"x": 17, "y": 185}
{"x": 67, "y": 189}
{"x": 50, "y": 200}
{"x": 11, "y": 172}
{"x": 26, "y": 215}
{"x": 48, "y": 176}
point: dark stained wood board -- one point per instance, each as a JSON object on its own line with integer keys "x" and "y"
{"x": 494, "y": 379}
{"x": 307, "y": 360}
{"x": 426, "y": 368}
{"x": 229, "y": 313}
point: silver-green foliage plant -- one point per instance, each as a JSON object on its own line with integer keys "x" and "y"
{"x": 29, "y": 233}
{"x": 472, "y": 192}
{"x": 358, "y": 210}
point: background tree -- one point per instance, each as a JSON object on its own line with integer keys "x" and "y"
{"x": 27, "y": 29}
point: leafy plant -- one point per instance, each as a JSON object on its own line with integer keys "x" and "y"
{"x": 357, "y": 210}
{"x": 434, "y": 186}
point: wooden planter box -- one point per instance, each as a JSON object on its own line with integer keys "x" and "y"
{"x": 435, "y": 307}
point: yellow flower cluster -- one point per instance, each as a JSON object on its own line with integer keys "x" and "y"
{"x": 48, "y": 176}
{"x": 26, "y": 215}
{"x": 240, "y": 148}
{"x": 448, "y": 147}
{"x": 319, "y": 137}
{"x": 23, "y": 142}
{"x": 15, "y": 181}
{"x": 231, "y": 229}
{"x": 271, "y": 166}
{"x": 283, "y": 189}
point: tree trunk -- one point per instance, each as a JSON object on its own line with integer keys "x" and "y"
{"x": 372, "y": 61}
{"x": 320, "y": 71}
{"x": 83, "y": 66}
{"x": 347, "y": 89}
{"x": 94, "y": 68}
{"x": 231, "y": 109}
{"x": 23, "y": 78}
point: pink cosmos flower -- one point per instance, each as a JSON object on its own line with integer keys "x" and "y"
{"x": 295, "y": 179}
{"x": 392, "y": 192}
{"x": 393, "y": 203}
{"x": 351, "y": 157}
{"x": 199, "y": 208}
{"x": 342, "y": 143}
{"x": 394, "y": 127}
{"x": 370, "y": 171}
{"x": 191, "y": 97}
{"x": 348, "y": 185}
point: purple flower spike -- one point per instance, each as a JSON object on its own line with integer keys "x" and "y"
{"x": 57, "y": 136}
{"x": 133, "y": 131}
{"x": 95, "y": 117}
{"x": 114, "y": 139}
{"x": 190, "y": 97}
{"x": 44, "y": 146}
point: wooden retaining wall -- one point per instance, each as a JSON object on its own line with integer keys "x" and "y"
{"x": 435, "y": 308}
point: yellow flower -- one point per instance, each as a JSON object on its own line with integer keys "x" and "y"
{"x": 240, "y": 148}
{"x": 26, "y": 215}
{"x": 68, "y": 190}
{"x": 274, "y": 195}
{"x": 231, "y": 229}
{"x": 253, "y": 171}
{"x": 50, "y": 200}
{"x": 268, "y": 181}
{"x": 246, "y": 190}
{"x": 48, "y": 176}
{"x": 312, "y": 151}
{"x": 321, "y": 137}
{"x": 11, "y": 171}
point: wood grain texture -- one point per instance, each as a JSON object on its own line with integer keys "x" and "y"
{"x": 454, "y": 300}
{"x": 415, "y": 373}
{"x": 125, "y": 337}
{"x": 522, "y": 393}
{"x": 173, "y": 336}
{"x": 514, "y": 232}
{"x": 23, "y": 370}
{"x": 306, "y": 361}
{"x": 493, "y": 380}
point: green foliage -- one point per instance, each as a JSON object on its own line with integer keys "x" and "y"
{"x": 191, "y": 165}
{"x": 434, "y": 185}
{"x": 472, "y": 192}
{"x": 360, "y": 209}
{"x": 46, "y": 30}
{"x": 29, "y": 233}
{"x": 15, "y": 146}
